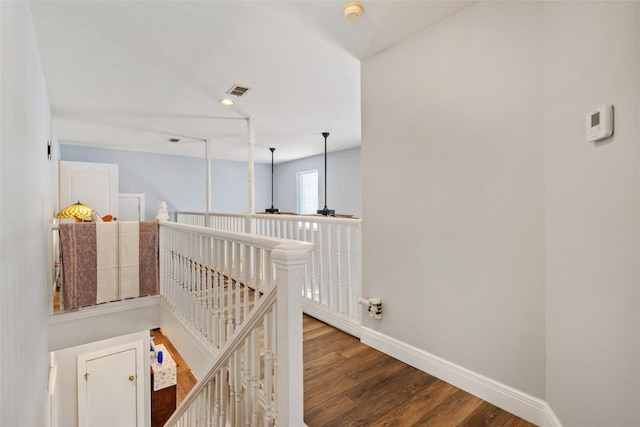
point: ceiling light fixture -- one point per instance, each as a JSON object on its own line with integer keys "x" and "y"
{"x": 352, "y": 10}
{"x": 227, "y": 102}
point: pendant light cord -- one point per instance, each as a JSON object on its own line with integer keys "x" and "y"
{"x": 272, "y": 150}
{"x": 325, "y": 134}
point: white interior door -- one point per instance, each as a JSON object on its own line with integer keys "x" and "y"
{"x": 94, "y": 184}
{"x": 110, "y": 387}
{"x": 131, "y": 207}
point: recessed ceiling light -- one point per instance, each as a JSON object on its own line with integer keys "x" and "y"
{"x": 227, "y": 101}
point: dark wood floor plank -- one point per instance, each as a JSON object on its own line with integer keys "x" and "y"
{"x": 369, "y": 364}
{"x": 486, "y": 415}
{"x": 380, "y": 384}
{"x": 319, "y": 395}
{"x": 331, "y": 375}
{"x": 354, "y": 349}
{"x": 317, "y": 346}
{"x": 325, "y": 413}
{"x": 424, "y": 401}
{"x": 377, "y": 396}
{"x": 514, "y": 421}
{"x": 452, "y": 411}
{"x": 356, "y": 368}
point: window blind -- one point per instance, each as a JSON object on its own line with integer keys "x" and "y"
{"x": 307, "y": 198}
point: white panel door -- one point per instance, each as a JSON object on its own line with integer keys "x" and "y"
{"x": 94, "y": 184}
{"x": 110, "y": 388}
{"x": 131, "y": 207}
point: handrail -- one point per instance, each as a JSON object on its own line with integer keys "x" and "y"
{"x": 284, "y": 216}
{"x": 243, "y": 238}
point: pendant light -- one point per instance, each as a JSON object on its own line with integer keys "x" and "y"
{"x": 272, "y": 210}
{"x": 325, "y": 211}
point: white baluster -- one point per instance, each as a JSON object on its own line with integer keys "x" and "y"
{"x": 347, "y": 269}
{"x": 254, "y": 363}
{"x": 268, "y": 367}
{"x": 246, "y": 277}
{"x": 237, "y": 283}
{"x": 328, "y": 256}
{"x": 342, "y": 300}
{"x": 221, "y": 294}
{"x": 229, "y": 279}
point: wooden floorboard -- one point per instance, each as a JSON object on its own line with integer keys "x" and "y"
{"x": 347, "y": 383}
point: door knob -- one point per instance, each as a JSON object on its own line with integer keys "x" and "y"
{"x": 131, "y": 378}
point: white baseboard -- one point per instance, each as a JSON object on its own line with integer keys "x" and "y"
{"x": 550, "y": 418}
{"x": 330, "y": 317}
{"x": 525, "y": 406}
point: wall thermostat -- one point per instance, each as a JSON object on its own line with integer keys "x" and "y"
{"x": 600, "y": 123}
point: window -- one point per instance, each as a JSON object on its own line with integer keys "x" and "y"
{"x": 307, "y": 198}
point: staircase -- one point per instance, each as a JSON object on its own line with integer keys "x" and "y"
{"x": 241, "y": 294}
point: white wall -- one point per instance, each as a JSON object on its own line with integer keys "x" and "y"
{"x": 66, "y": 388}
{"x": 343, "y": 182}
{"x": 592, "y": 214}
{"x": 457, "y": 256}
{"x": 515, "y": 249}
{"x": 26, "y": 206}
{"x": 103, "y": 321}
{"x": 180, "y": 180}
{"x": 196, "y": 351}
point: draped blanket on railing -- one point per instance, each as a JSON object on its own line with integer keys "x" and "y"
{"x": 108, "y": 261}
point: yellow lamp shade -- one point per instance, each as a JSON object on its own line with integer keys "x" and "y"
{"x": 77, "y": 211}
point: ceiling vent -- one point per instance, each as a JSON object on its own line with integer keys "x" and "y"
{"x": 173, "y": 140}
{"x": 238, "y": 90}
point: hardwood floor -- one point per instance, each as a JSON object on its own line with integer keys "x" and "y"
{"x": 347, "y": 383}
{"x": 185, "y": 378}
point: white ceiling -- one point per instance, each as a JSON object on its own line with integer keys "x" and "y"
{"x": 131, "y": 74}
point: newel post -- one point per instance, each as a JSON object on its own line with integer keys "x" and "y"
{"x": 290, "y": 259}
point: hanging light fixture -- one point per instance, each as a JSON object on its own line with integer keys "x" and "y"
{"x": 325, "y": 211}
{"x": 272, "y": 210}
